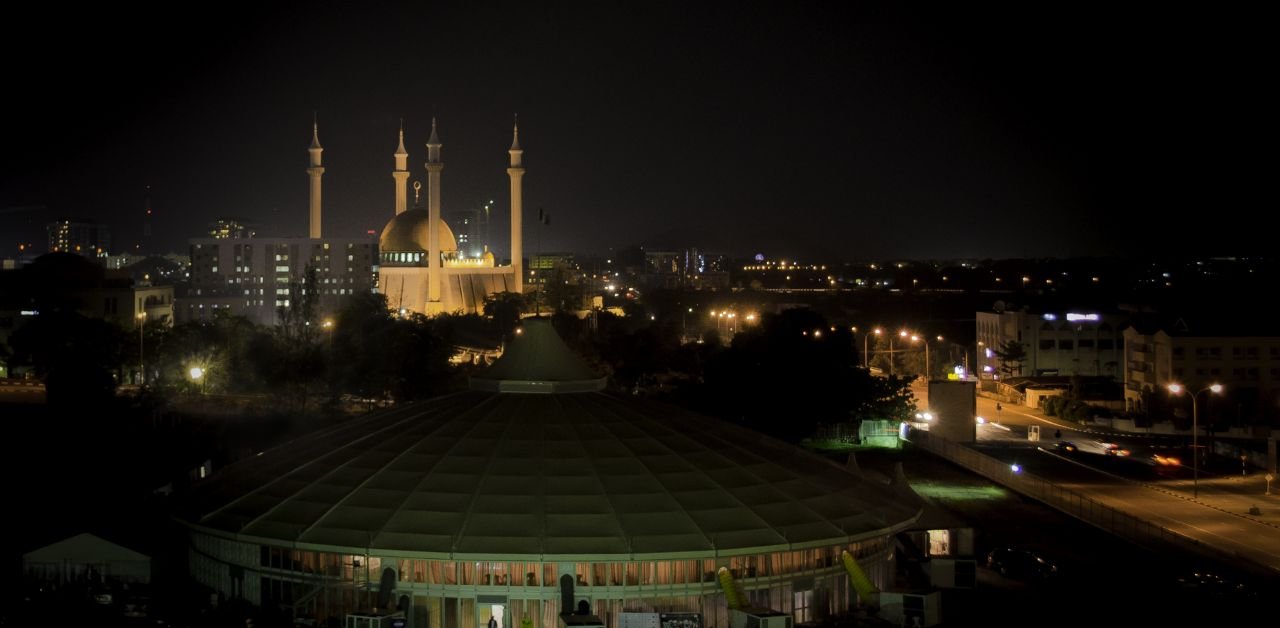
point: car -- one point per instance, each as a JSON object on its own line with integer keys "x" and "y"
{"x": 1020, "y": 563}
{"x": 1113, "y": 449}
{"x": 1066, "y": 447}
{"x": 1214, "y": 585}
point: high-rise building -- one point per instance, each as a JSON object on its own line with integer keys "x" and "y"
{"x": 253, "y": 277}
{"x": 84, "y": 238}
{"x": 228, "y": 228}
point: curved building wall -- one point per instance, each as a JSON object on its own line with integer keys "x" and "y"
{"x": 809, "y": 583}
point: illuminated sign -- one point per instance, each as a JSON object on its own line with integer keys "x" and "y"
{"x": 1051, "y": 317}
{"x": 30, "y": 312}
{"x": 1073, "y": 317}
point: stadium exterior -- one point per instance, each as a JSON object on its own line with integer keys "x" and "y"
{"x": 477, "y": 504}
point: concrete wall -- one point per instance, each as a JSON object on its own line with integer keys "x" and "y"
{"x": 954, "y": 405}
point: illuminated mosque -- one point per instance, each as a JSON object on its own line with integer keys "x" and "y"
{"x": 422, "y": 269}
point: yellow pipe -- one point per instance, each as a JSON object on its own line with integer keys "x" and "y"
{"x": 858, "y": 578}
{"x": 732, "y": 595}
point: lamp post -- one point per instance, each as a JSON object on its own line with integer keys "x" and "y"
{"x": 197, "y": 375}
{"x": 328, "y": 328}
{"x": 142, "y": 370}
{"x": 915, "y": 338}
{"x": 1177, "y": 389}
{"x": 892, "y": 359}
{"x": 866, "y": 363}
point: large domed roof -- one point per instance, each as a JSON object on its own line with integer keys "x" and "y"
{"x": 408, "y": 231}
{"x": 583, "y": 476}
{"x": 561, "y": 477}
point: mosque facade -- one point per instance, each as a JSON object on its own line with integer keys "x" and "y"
{"x": 421, "y": 268}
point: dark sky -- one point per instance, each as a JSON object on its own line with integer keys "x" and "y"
{"x": 830, "y": 130}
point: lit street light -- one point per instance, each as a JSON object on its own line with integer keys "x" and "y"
{"x": 865, "y": 362}
{"x": 142, "y": 370}
{"x": 1177, "y": 389}
{"x": 197, "y": 375}
{"x": 915, "y": 338}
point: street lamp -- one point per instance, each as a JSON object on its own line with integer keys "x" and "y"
{"x": 328, "y": 328}
{"x": 915, "y": 338}
{"x": 197, "y": 375}
{"x": 892, "y": 361}
{"x": 142, "y": 370}
{"x": 1178, "y": 389}
{"x": 865, "y": 362}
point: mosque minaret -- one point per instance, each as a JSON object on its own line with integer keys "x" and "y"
{"x": 434, "y": 167}
{"x": 516, "y": 173}
{"x": 315, "y": 172}
{"x": 422, "y": 270}
{"x": 401, "y": 175}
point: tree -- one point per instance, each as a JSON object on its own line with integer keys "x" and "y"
{"x": 784, "y": 379}
{"x": 504, "y": 308}
{"x": 76, "y": 356}
{"x": 298, "y": 358}
{"x": 1012, "y": 354}
{"x": 558, "y": 294}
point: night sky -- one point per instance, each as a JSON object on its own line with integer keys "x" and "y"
{"x": 818, "y": 131}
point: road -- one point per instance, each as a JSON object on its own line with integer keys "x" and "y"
{"x": 21, "y": 391}
{"x": 1229, "y": 511}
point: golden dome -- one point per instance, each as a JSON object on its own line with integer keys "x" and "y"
{"x": 409, "y": 232}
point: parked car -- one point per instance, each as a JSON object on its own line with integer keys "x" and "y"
{"x": 1020, "y": 563}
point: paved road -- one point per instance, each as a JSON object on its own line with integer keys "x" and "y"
{"x": 21, "y": 391}
{"x": 1228, "y": 511}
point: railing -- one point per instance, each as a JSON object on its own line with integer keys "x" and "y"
{"x": 1136, "y": 530}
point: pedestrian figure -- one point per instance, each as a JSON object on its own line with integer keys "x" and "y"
{"x": 493, "y": 623}
{"x": 1057, "y": 434}
{"x": 999, "y": 407}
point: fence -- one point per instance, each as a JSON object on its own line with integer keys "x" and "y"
{"x": 1124, "y": 525}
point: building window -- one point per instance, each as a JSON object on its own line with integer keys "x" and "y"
{"x": 1046, "y": 345}
{"x": 801, "y": 603}
{"x": 1066, "y": 345}
{"x": 1177, "y": 353}
{"x": 1086, "y": 343}
{"x": 1106, "y": 344}
{"x": 939, "y": 542}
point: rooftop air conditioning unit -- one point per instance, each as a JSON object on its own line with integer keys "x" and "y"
{"x": 911, "y": 609}
{"x": 752, "y": 617}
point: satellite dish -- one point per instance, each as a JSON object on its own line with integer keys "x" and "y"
{"x": 386, "y": 587}
{"x": 998, "y": 306}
